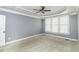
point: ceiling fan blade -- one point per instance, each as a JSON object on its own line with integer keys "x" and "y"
{"x": 38, "y": 12}
{"x": 47, "y": 10}
{"x": 43, "y": 7}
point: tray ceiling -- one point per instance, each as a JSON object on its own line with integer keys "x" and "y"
{"x": 28, "y": 10}
{"x": 54, "y": 9}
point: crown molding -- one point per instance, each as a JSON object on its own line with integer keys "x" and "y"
{"x": 24, "y": 9}
{"x": 72, "y": 13}
{"x": 19, "y": 13}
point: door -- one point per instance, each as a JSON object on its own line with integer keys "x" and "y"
{"x": 2, "y": 30}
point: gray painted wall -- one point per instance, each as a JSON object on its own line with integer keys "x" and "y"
{"x": 78, "y": 26}
{"x": 43, "y": 25}
{"x": 73, "y": 28}
{"x": 18, "y": 26}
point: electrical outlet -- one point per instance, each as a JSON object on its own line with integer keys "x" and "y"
{"x": 9, "y": 38}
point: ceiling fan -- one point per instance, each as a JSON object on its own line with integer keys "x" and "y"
{"x": 42, "y": 10}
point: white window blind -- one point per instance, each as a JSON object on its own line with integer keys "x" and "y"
{"x": 54, "y": 24}
{"x": 64, "y": 24}
{"x": 48, "y": 25}
{"x": 57, "y": 24}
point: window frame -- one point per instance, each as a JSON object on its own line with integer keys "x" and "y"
{"x": 51, "y": 19}
{"x": 65, "y": 24}
{"x": 50, "y": 26}
{"x": 54, "y": 24}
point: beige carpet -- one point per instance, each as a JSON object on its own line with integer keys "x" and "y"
{"x": 42, "y": 43}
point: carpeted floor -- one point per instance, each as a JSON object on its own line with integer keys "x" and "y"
{"x": 42, "y": 43}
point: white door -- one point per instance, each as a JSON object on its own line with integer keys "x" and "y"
{"x": 2, "y": 30}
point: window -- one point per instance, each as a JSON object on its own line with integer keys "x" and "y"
{"x": 54, "y": 24}
{"x": 57, "y": 24}
{"x": 64, "y": 24}
{"x": 48, "y": 25}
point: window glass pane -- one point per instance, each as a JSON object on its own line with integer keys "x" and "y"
{"x": 57, "y": 24}
{"x": 47, "y": 28}
{"x": 55, "y": 20}
{"x": 48, "y": 25}
{"x": 54, "y": 28}
{"x": 64, "y": 20}
{"x": 64, "y": 29}
{"x": 48, "y": 21}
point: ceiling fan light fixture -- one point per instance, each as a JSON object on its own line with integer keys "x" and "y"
{"x": 42, "y": 10}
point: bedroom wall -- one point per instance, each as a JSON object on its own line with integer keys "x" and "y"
{"x": 18, "y": 26}
{"x": 73, "y": 28}
{"x": 78, "y": 26}
{"x": 43, "y": 25}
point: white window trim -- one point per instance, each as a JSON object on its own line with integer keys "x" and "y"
{"x": 68, "y": 26}
{"x": 59, "y": 27}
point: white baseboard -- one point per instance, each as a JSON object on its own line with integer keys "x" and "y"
{"x": 38, "y": 35}
{"x": 62, "y": 37}
{"x": 22, "y": 39}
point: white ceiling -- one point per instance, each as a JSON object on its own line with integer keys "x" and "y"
{"x": 54, "y": 9}
{"x": 28, "y": 10}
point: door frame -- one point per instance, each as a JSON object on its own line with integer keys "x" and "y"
{"x": 4, "y": 31}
